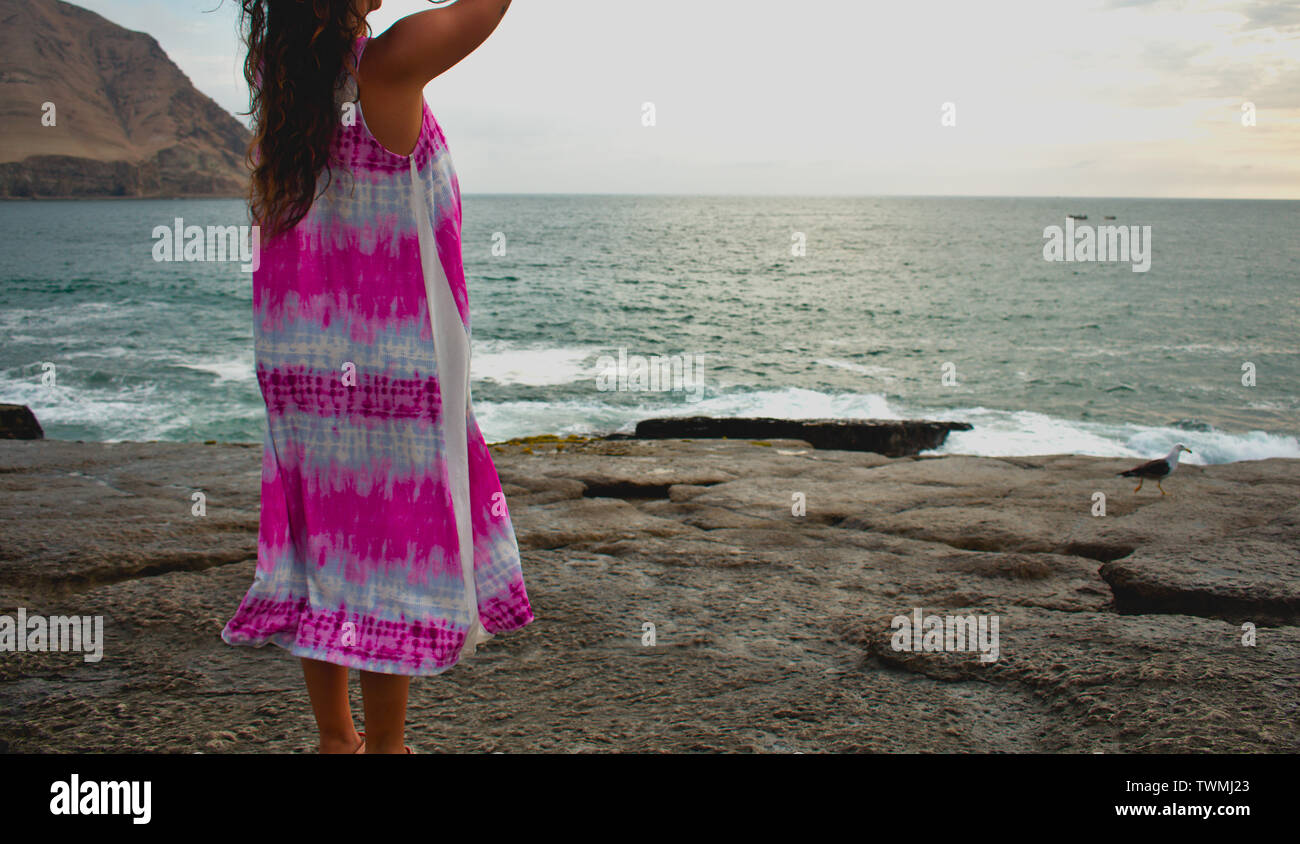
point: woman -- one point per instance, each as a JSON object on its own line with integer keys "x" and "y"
{"x": 384, "y": 543}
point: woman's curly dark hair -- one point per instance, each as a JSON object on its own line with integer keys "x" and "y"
{"x": 298, "y": 52}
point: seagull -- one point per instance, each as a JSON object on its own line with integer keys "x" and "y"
{"x": 1159, "y": 468}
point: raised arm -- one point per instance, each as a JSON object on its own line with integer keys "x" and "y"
{"x": 424, "y": 45}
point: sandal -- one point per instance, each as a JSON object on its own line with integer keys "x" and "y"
{"x": 362, "y": 748}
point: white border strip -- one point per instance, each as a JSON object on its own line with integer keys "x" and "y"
{"x": 451, "y": 345}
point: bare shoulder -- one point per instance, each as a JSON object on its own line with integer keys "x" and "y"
{"x": 423, "y": 46}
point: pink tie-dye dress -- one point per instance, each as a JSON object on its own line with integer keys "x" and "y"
{"x": 385, "y": 543}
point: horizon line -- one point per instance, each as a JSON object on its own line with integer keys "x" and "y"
{"x": 671, "y": 195}
{"x": 877, "y": 196}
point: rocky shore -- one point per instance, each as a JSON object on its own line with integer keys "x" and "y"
{"x": 890, "y": 437}
{"x": 770, "y": 569}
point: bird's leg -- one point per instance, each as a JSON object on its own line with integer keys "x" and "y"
{"x": 1162, "y": 489}
{"x": 1139, "y": 486}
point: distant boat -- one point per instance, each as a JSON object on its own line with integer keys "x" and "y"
{"x": 1108, "y": 217}
{"x": 1077, "y": 216}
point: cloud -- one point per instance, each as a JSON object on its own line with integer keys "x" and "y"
{"x": 1282, "y": 17}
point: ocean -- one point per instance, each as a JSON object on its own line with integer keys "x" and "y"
{"x": 937, "y": 308}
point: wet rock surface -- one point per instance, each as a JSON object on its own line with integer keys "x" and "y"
{"x": 890, "y": 437}
{"x": 17, "y": 422}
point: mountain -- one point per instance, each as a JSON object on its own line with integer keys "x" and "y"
{"x": 128, "y": 122}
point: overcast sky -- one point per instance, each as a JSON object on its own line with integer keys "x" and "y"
{"x": 1052, "y": 97}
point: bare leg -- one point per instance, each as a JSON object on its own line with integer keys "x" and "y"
{"x": 327, "y": 685}
{"x": 384, "y": 696}
{"x": 1162, "y": 489}
{"x": 1138, "y": 487}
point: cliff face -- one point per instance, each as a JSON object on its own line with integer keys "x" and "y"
{"x": 128, "y": 121}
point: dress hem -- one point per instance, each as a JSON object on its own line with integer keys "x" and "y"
{"x": 361, "y": 662}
